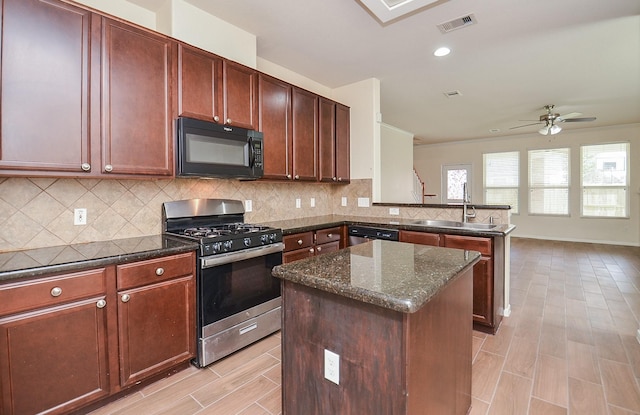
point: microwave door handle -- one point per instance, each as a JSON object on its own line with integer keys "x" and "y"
{"x": 252, "y": 153}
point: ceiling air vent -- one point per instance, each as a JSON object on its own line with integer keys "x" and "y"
{"x": 458, "y": 23}
{"x": 452, "y": 94}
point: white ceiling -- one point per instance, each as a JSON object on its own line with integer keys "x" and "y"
{"x": 581, "y": 55}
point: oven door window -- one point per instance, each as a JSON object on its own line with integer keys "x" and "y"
{"x": 232, "y": 288}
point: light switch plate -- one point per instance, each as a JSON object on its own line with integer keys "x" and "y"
{"x": 344, "y": 201}
{"x": 363, "y": 202}
{"x": 313, "y": 202}
{"x": 298, "y": 203}
{"x": 394, "y": 211}
{"x": 332, "y": 366}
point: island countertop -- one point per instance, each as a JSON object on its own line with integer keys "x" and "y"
{"x": 395, "y": 275}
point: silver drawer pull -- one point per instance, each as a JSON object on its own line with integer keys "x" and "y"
{"x": 216, "y": 118}
{"x": 85, "y": 166}
{"x": 319, "y": 248}
{"x": 125, "y": 298}
{"x": 330, "y": 236}
{"x": 247, "y": 329}
{"x": 311, "y": 250}
{"x": 56, "y": 291}
{"x": 299, "y": 241}
{"x": 159, "y": 271}
{"x": 108, "y": 168}
{"x": 101, "y": 304}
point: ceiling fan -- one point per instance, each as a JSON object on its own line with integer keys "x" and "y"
{"x": 550, "y": 119}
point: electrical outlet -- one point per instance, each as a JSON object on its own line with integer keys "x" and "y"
{"x": 394, "y": 211}
{"x": 363, "y": 202}
{"x": 248, "y": 206}
{"x": 313, "y": 202}
{"x": 332, "y": 366}
{"x": 80, "y": 216}
{"x": 298, "y": 203}
{"x": 344, "y": 201}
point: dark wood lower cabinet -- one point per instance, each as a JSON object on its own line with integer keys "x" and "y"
{"x": 67, "y": 341}
{"x": 390, "y": 362}
{"x": 54, "y": 358}
{"x": 307, "y": 244}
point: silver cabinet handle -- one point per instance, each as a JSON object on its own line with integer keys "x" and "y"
{"x": 296, "y": 177}
{"x": 108, "y": 168}
{"x": 125, "y": 298}
{"x": 101, "y": 304}
{"x": 56, "y": 291}
{"x": 319, "y": 248}
{"x": 289, "y": 176}
{"x": 330, "y": 236}
{"x": 299, "y": 241}
{"x": 85, "y": 166}
{"x": 339, "y": 179}
{"x": 216, "y": 118}
{"x": 159, "y": 271}
{"x": 311, "y": 250}
{"x": 334, "y": 178}
{"x": 228, "y": 122}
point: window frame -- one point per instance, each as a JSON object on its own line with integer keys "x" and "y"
{"x": 531, "y": 188}
{"x": 445, "y": 181}
{"x": 625, "y": 187}
{"x": 514, "y": 210}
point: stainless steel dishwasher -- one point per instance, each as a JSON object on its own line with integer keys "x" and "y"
{"x": 361, "y": 234}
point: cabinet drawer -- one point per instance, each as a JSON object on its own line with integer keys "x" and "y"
{"x": 51, "y": 291}
{"x": 328, "y": 247}
{"x": 422, "y": 238}
{"x": 471, "y": 243}
{"x": 297, "y": 241}
{"x": 155, "y": 270}
{"x": 324, "y": 236}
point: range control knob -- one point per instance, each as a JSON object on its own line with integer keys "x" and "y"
{"x": 247, "y": 241}
{"x": 264, "y": 239}
{"x": 272, "y": 237}
{"x": 228, "y": 244}
{"x": 216, "y": 247}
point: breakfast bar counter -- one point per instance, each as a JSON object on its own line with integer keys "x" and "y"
{"x": 378, "y": 328}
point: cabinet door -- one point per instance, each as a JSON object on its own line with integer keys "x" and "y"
{"x": 156, "y": 328}
{"x": 199, "y": 91}
{"x": 327, "y": 141}
{"x": 136, "y": 101}
{"x": 275, "y": 124}
{"x": 483, "y": 291}
{"x": 44, "y": 87}
{"x": 343, "y": 143}
{"x": 305, "y": 134}
{"x": 240, "y": 90}
{"x": 297, "y": 254}
{"x": 422, "y": 238}
{"x": 54, "y": 358}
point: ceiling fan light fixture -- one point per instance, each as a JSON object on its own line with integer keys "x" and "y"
{"x": 550, "y": 129}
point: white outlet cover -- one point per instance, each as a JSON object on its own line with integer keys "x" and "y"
{"x": 332, "y": 366}
{"x": 313, "y": 202}
{"x": 248, "y": 205}
{"x": 298, "y": 203}
{"x": 344, "y": 201}
{"x": 80, "y": 216}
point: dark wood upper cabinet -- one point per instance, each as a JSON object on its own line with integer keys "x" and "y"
{"x": 198, "y": 83}
{"x": 305, "y": 134}
{"x": 240, "y": 95}
{"x": 137, "y": 79}
{"x": 343, "y": 143}
{"x": 327, "y": 141}
{"x": 45, "y": 47}
{"x": 274, "y": 111}
{"x": 214, "y": 89}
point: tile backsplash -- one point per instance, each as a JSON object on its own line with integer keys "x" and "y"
{"x": 38, "y": 212}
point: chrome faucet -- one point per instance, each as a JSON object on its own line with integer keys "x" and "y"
{"x": 466, "y": 199}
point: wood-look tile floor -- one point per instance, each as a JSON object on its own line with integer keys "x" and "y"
{"x": 568, "y": 348}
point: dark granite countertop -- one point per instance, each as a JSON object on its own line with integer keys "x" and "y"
{"x": 31, "y": 263}
{"x": 319, "y": 222}
{"x": 394, "y": 275}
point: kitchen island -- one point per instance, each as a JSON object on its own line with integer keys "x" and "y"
{"x": 388, "y": 322}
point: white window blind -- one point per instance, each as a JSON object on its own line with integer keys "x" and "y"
{"x": 549, "y": 181}
{"x": 605, "y": 180}
{"x": 502, "y": 179}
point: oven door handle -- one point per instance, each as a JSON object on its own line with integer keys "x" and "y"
{"x": 214, "y": 260}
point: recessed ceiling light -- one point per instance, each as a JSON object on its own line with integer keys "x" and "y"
{"x": 442, "y": 51}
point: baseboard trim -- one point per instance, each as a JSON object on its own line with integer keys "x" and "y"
{"x": 507, "y": 312}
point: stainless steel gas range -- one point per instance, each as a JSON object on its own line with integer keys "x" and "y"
{"x": 238, "y": 301}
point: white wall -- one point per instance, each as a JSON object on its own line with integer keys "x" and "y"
{"x": 364, "y": 99}
{"x": 396, "y": 169}
{"x": 429, "y": 159}
{"x": 124, "y": 10}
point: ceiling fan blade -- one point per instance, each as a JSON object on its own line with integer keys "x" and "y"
{"x": 578, "y": 119}
{"x": 570, "y": 115}
{"x": 526, "y": 125}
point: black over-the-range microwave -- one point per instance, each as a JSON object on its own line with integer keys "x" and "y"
{"x": 207, "y": 149}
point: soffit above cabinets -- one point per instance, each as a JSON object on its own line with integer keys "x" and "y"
{"x": 387, "y": 10}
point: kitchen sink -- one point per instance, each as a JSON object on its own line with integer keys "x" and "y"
{"x": 453, "y": 224}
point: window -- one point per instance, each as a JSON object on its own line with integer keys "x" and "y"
{"x": 549, "y": 182}
{"x": 453, "y": 178}
{"x": 502, "y": 179}
{"x": 605, "y": 180}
